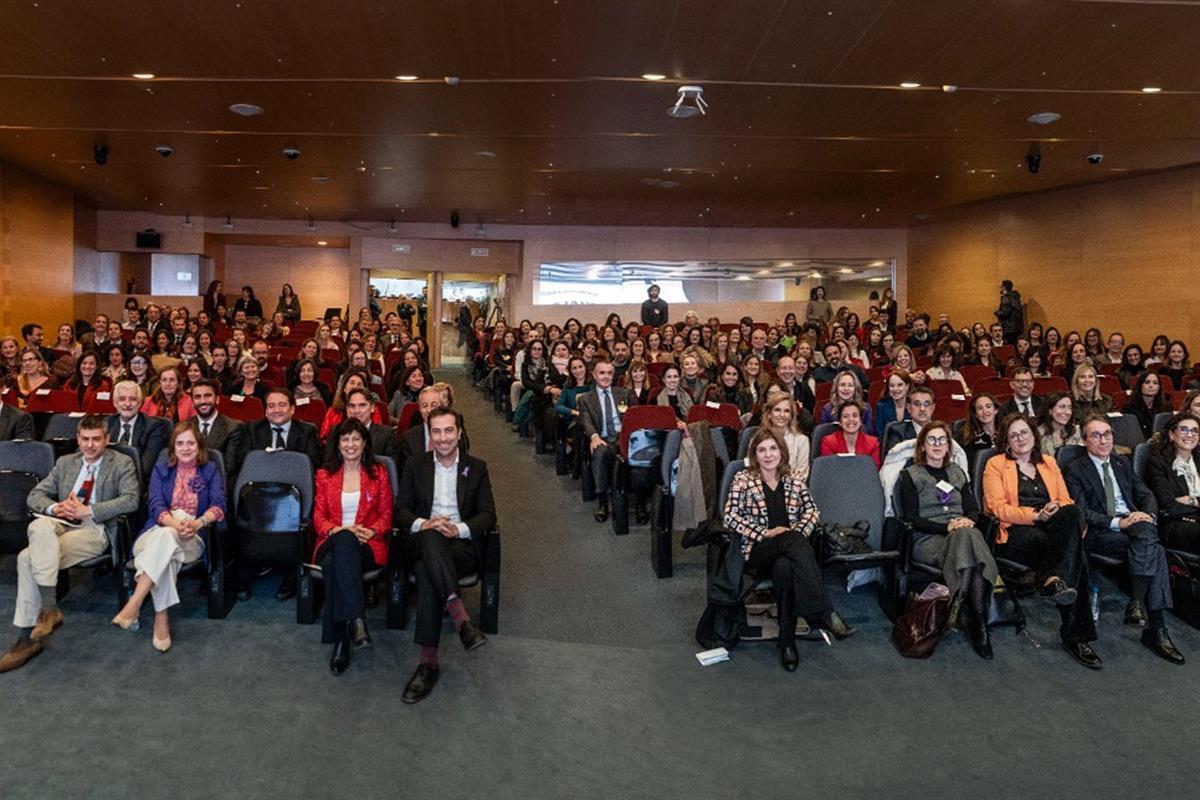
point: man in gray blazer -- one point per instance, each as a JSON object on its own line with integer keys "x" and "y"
{"x": 600, "y": 413}
{"x": 14, "y": 423}
{"x": 78, "y": 504}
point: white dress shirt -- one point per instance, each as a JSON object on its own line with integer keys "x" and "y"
{"x": 1120, "y": 506}
{"x": 445, "y": 497}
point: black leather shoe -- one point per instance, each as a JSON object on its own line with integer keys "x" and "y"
{"x": 980, "y": 637}
{"x": 641, "y": 515}
{"x": 359, "y": 634}
{"x": 374, "y": 595}
{"x": 838, "y": 626}
{"x": 471, "y": 636}
{"x": 1058, "y": 591}
{"x": 1135, "y": 613}
{"x": 601, "y": 514}
{"x": 1159, "y": 642}
{"x": 1084, "y": 654}
{"x": 287, "y": 589}
{"x": 243, "y": 591}
{"x": 788, "y": 657}
{"x": 341, "y": 657}
{"x": 420, "y": 684}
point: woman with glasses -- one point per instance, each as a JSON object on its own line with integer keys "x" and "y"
{"x": 1040, "y": 526}
{"x": 936, "y": 501}
{"x": 1173, "y": 474}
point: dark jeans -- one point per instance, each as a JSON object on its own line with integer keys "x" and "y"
{"x": 1055, "y": 548}
{"x": 343, "y": 560}
{"x": 788, "y": 560}
{"x": 602, "y": 465}
{"x": 1139, "y": 545}
{"x": 437, "y": 563}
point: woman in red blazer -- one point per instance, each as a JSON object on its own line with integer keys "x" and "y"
{"x": 352, "y": 514}
{"x": 850, "y": 438}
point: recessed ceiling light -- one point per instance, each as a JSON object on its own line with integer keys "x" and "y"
{"x": 1044, "y": 118}
{"x": 144, "y": 76}
{"x": 246, "y": 109}
{"x": 322, "y": 243}
{"x": 1151, "y": 89}
{"x": 910, "y": 85}
{"x": 485, "y": 154}
{"x": 322, "y": 179}
{"x": 653, "y": 76}
{"x": 406, "y": 77}
{"x": 742, "y": 278}
{"x": 846, "y": 271}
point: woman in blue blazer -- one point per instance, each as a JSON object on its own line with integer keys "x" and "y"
{"x": 186, "y": 497}
{"x": 893, "y": 406}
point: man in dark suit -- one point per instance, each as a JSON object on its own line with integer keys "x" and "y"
{"x": 600, "y": 413}
{"x": 1120, "y": 510}
{"x": 383, "y": 437}
{"x": 218, "y": 431}
{"x": 835, "y": 363}
{"x": 416, "y": 439}
{"x": 920, "y": 406}
{"x": 148, "y": 435}
{"x": 279, "y": 431}
{"x": 445, "y": 504}
{"x": 14, "y": 423}
{"x": 1023, "y": 400}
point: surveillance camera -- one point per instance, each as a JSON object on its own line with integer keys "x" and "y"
{"x": 1095, "y": 158}
{"x": 454, "y": 219}
{"x": 100, "y": 153}
{"x": 291, "y": 153}
{"x": 164, "y": 150}
{"x": 1034, "y": 160}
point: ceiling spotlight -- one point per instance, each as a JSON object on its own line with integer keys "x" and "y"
{"x": 1151, "y": 89}
{"x": 652, "y": 76}
{"x": 910, "y": 85}
{"x": 949, "y": 88}
{"x": 144, "y": 76}
{"x": 246, "y": 109}
{"x": 451, "y": 80}
{"x": 406, "y": 77}
{"x": 322, "y": 243}
{"x": 690, "y": 103}
{"x": 1044, "y": 118}
{"x": 485, "y": 154}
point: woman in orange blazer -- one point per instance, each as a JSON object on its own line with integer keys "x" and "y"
{"x": 352, "y": 514}
{"x": 1040, "y": 526}
{"x": 850, "y": 437}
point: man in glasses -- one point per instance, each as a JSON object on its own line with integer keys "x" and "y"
{"x": 1120, "y": 511}
{"x": 920, "y": 407}
{"x": 1023, "y": 400}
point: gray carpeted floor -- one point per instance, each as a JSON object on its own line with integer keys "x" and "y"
{"x": 590, "y": 689}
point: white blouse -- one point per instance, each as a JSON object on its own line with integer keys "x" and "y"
{"x": 1187, "y": 468}
{"x": 350, "y": 507}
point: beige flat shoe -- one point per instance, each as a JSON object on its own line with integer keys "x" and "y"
{"x": 126, "y": 624}
{"x": 161, "y": 645}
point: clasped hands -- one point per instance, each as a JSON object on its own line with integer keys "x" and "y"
{"x": 957, "y": 523}
{"x": 442, "y": 525}
{"x": 72, "y": 508}
{"x": 1133, "y": 519}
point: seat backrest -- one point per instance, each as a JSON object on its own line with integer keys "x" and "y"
{"x": 981, "y": 459}
{"x": 726, "y": 482}
{"x": 659, "y": 418}
{"x": 846, "y": 490}
{"x": 35, "y": 457}
{"x": 670, "y": 454}
{"x": 1141, "y": 454}
{"x": 1127, "y": 431}
{"x": 61, "y": 426}
{"x": 136, "y": 457}
{"x": 1111, "y": 385}
{"x": 1055, "y": 383}
{"x": 310, "y": 410}
{"x": 725, "y": 415}
{"x": 393, "y": 476}
{"x": 819, "y": 433}
{"x": 1161, "y": 419}
{"x": 247, "y": 409}
{"x": 269, "y": 507}
{"x": 943, "y": 388}
{"x": 54, "y": 401}
{"x": 15, "y": 486}
{"x": 408, "y": 412}
{"x": 1068, "y": 453}
{"x": 278, "y": 466}
{"x": 744, "y": 441}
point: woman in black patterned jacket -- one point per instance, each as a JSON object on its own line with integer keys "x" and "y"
{"x": 772, "y": 510}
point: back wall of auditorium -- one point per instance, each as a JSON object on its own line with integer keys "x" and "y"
{"x": 1124, "y": 250}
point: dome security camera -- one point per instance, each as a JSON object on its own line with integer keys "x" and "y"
{"x": 291, "y": 153}
{"x": 164, "y": 150}
{"x": 1095, "y": 158}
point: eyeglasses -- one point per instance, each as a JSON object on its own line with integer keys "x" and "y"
{"x": 1099, "y": 436}
{"x": 1188, "y": 431}
{"x": 1022, "y": 433}
{"x": 936, "y": 441}
{"x": 920, "y": 403}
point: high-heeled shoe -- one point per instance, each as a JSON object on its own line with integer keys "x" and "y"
{"x": 838, "y": 626}
{"x": 127, "y": 624}
{"x": 340, "y": 660}
{"x": 359, "y": 634}
{"x": 161, "y": 645}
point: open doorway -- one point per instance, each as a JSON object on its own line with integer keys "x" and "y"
{"x": 406, "y": 293}
{"x": 465, "y": 298}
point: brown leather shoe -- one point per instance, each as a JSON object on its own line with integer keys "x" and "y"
{"x": 20, "y": 653}
{"x": 47, "y": 623}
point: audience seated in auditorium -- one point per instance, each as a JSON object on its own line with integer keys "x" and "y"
{"x": 76, "y": 508}
{"x": 445, "y": 504}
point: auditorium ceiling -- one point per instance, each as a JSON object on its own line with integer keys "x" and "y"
{"x": 536, "y": 111}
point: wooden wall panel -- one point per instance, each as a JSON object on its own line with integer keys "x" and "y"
{"x": 320, "y": 276}
{"x": 1124, "y": 255}
{"x": 37, "y": 252}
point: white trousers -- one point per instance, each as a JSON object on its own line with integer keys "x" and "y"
{"x": 52, "y": 546}
{"x": 514, "y": 394}
{"x": 159, "y": 553}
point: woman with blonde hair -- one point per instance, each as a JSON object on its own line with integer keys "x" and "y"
{"x": 779, "y": 414}
{"x": 1086, "y": 395}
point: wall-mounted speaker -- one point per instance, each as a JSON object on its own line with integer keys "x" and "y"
{"x": 149, "y": 239}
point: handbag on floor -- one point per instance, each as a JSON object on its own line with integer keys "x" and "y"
{"x": 919, "y": 628}
{"x": 1185, "y": 588}
{"x": 846, "y": 540}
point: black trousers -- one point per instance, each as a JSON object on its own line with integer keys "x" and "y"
{"x": 602, "y": 465}
{"x": 437, "y": 563}
{"x": 343, "y": 560}
{"x": 1139, "y": 546}
{"x": 1055, "y": 547}
{"x": 788, "y": 560}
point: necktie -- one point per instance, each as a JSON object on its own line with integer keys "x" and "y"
{"x": 1027, "y": 408}
{"x": 204, "y": 427}
{"x": 610, "y": 423}
{"x": 1110, "y": 494}
{"x": 125, "y": 436}
{"x": 279, "y": 443}
{"x": 89, "y": 482}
